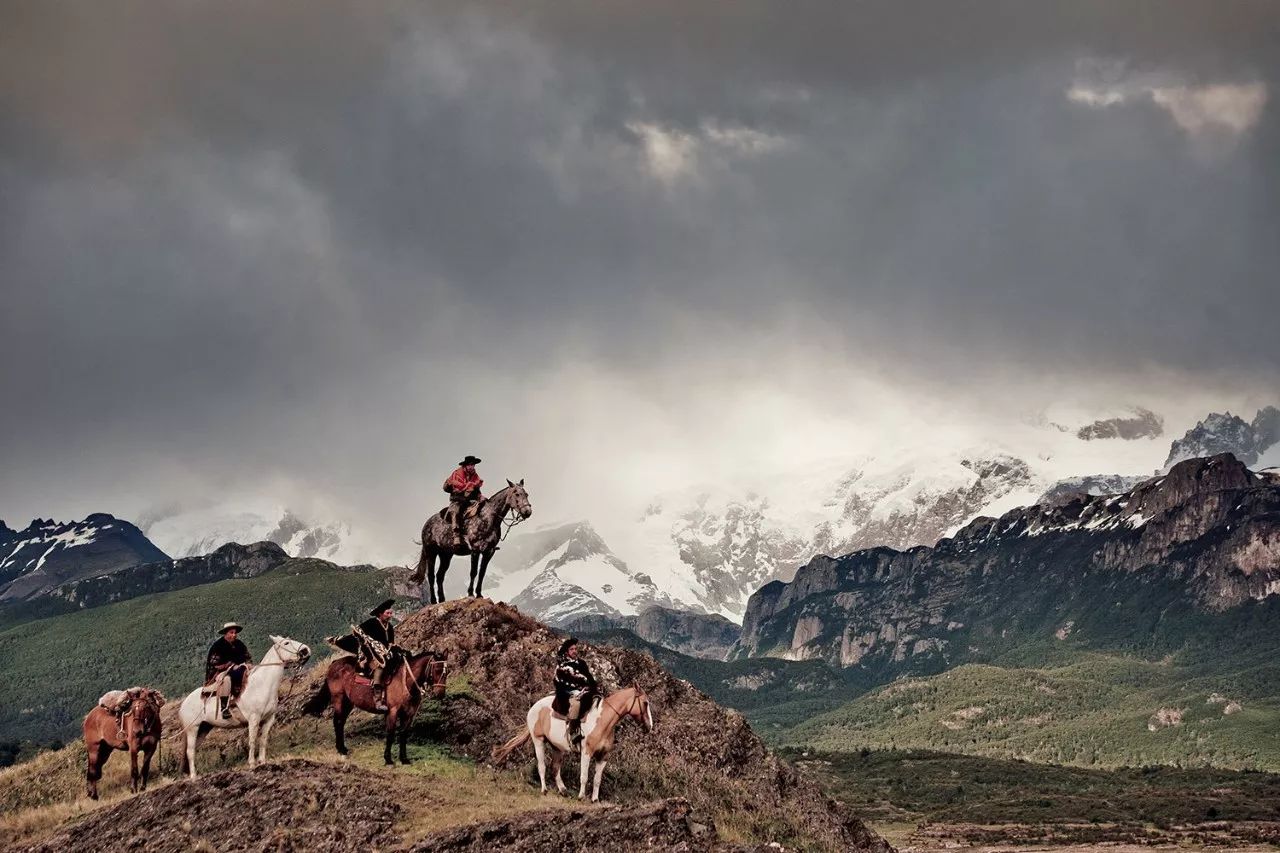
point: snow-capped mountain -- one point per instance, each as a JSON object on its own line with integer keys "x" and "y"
{"x": 194, "y": 532}
{"x": 567, "y": 571}
{"x": 49, "y": 553}
{"x": 1228, "y": 433}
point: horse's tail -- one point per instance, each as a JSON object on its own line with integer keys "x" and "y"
{"x": 319, "y": 700}
{"x": 518, "y": 740}
{"x": 420, "y": 573}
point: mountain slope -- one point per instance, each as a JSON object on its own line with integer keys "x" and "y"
{"x": 1228, "y": 433}
{"x": 567, "y": 571}
{"x": 48, "y": 554}
{"x": 162, "y": 639}
{"x": 1176, "y": 561}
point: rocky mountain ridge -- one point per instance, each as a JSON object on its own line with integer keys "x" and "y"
{"x": 698, "y": 635}
{"x": 1203, "y": 539}
{"x": 48, "y": 553}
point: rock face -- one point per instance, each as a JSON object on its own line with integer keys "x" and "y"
{"x": 229, "y": 561}
{"x": 1143, "y": 423}
{"x": 1091, "y": 484}
{"x": 698, "y": 635}
{"x": 1202, "y": 540}
{"x": 1228, "y": 433}
{"x": 48, "y": 554}
{"x": 698, "y": 750}
{"x": 289, "y": 805}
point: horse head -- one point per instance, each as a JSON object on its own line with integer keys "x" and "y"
{"x": 146, "y": 709}
{"x": 290, "y": 651}
{"x": 640, "y": 708}
{"x": 519, "y": 499}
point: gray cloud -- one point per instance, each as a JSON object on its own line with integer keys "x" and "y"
{"x": 309, "y": 243}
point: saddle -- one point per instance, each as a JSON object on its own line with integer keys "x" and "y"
{"x": 472, "y": 509}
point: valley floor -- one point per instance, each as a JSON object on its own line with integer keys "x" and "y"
{"x": 924, "y": 802}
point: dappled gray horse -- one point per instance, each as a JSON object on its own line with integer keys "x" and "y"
{"x": 441, "y": 541}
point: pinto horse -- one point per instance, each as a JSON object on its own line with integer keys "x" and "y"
{"x": 344, "y": 688}
{"x": 137, "y": 731}
{"x": 543, "y": 727}
{"x": 440, "y": 541}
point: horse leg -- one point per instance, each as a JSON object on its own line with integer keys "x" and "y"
{"x": 97, "y": 755}
{"x": 445, "y": 559}
{"x": 541, "y": 749}
{"x": 595, "y": 794}
{"x": 146, "y": 764}
{"x": 431, "y": 576}
{"x": 475, "y": 568}
{"x": 134, "y": 775}
{"x": 262, "y": 738}
{"x": 392, "y": 717}
{"x": 484, "y": 564}
{"x": 193, "y": 734}
{"x": 559, "y": 763}
{"x": 253, "y": 739}
{"x": 584, "y": 772}
{"x": 340, "y": 712}
{"x": 404, "y": 739}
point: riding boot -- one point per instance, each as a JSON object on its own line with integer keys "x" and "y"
{"x": 575, "y": 732}
{"x": 380, "y": 698}
{"x": 224, "y": 703}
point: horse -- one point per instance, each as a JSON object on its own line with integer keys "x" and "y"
{"x": 256, "y": 707}
{"x": 344, "y": 688}
{"x": 542, "y": 727}
{"x": 137, "y": 731}
{"x": 440, "y": 540}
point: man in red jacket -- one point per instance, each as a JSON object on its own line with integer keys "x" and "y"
{"x": 463, "y": 487}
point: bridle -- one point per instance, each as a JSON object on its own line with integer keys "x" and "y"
{"x": 297, "y": 664}
{"x": 508, "y": 524}
{"x": 635, "y": 699}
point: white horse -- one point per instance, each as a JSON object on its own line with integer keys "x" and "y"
{"x": 256, "y": 706}
{"x": 543, "y": 727}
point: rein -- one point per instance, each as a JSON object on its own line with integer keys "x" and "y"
{"x": 507, "y": 524}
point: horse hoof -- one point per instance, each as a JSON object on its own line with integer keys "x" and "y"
{"x": 405, "y": 761}
{"x": 344, "y": 752}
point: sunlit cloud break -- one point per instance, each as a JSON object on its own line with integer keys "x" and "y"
{"x": 1230, "y": 107}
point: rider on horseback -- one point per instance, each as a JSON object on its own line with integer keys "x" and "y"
{"x": 227, "y": 663}
{"x": 373, "y": 642}
{"x": 463, "y": 487}
{"x": 574, "y": 687}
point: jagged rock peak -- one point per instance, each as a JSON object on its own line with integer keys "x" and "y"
{"x": 1142, "y": 423}
{"x": 1228, "y": 433}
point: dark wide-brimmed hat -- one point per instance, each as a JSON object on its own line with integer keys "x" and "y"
{"x": 470, "y": 460}
{"x": 564, "y": 647}
{"x": 230, "y": 626}
{"x": 386, "y": 605}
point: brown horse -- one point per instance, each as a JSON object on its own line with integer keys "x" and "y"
{"x": 441, "y": 542}
{"x": 345, "y": 688}
{"x": 138, "y": 731}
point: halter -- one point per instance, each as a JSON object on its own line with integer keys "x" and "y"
{"x": 296, "y": 663}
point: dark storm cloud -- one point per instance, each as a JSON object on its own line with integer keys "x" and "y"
{"x": 223, "y": 222}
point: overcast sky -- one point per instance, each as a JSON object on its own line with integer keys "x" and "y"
{"x": 319, "y": 251}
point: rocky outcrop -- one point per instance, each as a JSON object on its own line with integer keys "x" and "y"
{"x": 1197, "y": 542}
{"x": 289, "y": 805}
{"x": 1228, "y": 433}
{"x": 48, "y": 553}
{"x": 665, "y": 825}
{"x": 1142, "y": 423}
{"x": 698, "y": 749}
{"x": 1091, "y": 484}
{"x": 230, "y": 561}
